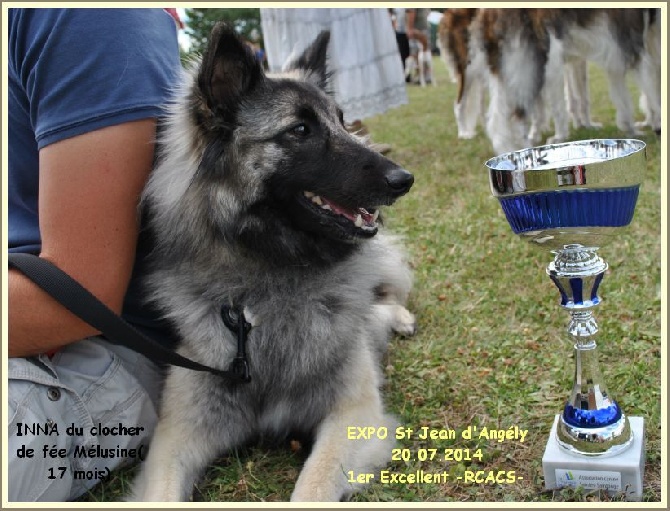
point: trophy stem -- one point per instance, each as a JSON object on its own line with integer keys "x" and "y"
{"x": 592, "y": 423}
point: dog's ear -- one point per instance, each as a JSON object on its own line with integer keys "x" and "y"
{"x": 313, "y": 60}
{"x": 229, "y": 69}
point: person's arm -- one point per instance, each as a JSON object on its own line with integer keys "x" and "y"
{"x": 88, "y": 208}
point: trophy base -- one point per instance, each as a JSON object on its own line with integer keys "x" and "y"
{"x": 617, "y": 474}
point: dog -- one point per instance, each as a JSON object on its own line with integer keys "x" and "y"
{"x": 649, "y": 105}
{"x": 534, "y": 60}
{"x": 621, "y": 41}
{"x": 527, "y": 53}
{"x": 467, "y": 67}
{"x": 262, "y": 203}
{"x": 419, "y": 65}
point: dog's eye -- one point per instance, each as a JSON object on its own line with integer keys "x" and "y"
{"x": 301, "y": 130}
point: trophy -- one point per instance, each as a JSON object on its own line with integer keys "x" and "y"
{"x": 572, "y": 198}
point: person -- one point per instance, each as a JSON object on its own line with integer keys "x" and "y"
{"x": 366, "y": 74}
{"x": 85, "y": 90}
{"x": 399, "y": 16}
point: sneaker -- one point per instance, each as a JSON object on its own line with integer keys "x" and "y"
{"x": 358, "y": 128}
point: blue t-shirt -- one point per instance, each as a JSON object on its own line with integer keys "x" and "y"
{"x": 72, "y": 71}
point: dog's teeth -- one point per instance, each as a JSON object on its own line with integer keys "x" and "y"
{"x": 309, "y": 195}
{"x": 359, "y": 221}
{"x": 326, "y": 207}
{"x": 375, "y": 216}
{"x": 317, "y": 200}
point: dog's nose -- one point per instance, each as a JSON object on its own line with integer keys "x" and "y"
{"x": 399, "y": 180}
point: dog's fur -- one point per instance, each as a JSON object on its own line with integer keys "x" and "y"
{"x": 467, "y": 67}
{"x": 233, "y": 226}
{"x": 620, "y": 41}
{"x": 536, "y": 58}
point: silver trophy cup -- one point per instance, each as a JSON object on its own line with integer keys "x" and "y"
{"x": 572, "y": 199}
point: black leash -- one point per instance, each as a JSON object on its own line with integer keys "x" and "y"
{"x": 81, "y": 302}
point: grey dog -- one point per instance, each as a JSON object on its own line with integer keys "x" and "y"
{"x": 262, "y": 200}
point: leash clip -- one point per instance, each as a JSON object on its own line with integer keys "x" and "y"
{"x": 240, "y": 366}
{"x": 233, "y": 318}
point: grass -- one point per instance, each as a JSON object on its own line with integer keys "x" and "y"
{"x": 491, "y": 349}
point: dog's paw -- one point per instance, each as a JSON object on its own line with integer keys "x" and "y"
{"x": 556, "y": 139}
{"x": 467, "y": 135}
{"x": 592, "y": 125}
{"x": 404, "y": 322}
{"x": 318, "y": 491}
{"x": 533, "y": 138}
{"x": 630, "y": 130}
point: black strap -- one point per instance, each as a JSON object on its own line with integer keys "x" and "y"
{"x": 78, "y": 300}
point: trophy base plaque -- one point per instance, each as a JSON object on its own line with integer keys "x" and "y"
{"x": 619, "y": 473}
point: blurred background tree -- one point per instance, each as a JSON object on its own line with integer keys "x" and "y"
{"x": 199, "y": 24}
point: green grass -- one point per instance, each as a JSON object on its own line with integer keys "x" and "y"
{"x": 491, "y": 349}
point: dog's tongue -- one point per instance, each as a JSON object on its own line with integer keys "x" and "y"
{"x": 349, "y": 213}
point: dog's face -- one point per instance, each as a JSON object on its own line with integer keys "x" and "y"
{"x": 279, "y": 145}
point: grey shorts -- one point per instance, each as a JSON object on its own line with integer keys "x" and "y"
{"x": 76, "y": 417}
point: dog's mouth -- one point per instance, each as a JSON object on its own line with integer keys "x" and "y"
{"x": 355, "y": 222}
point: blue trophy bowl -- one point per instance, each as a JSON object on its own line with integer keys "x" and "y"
{"x": 573, "y": 193}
